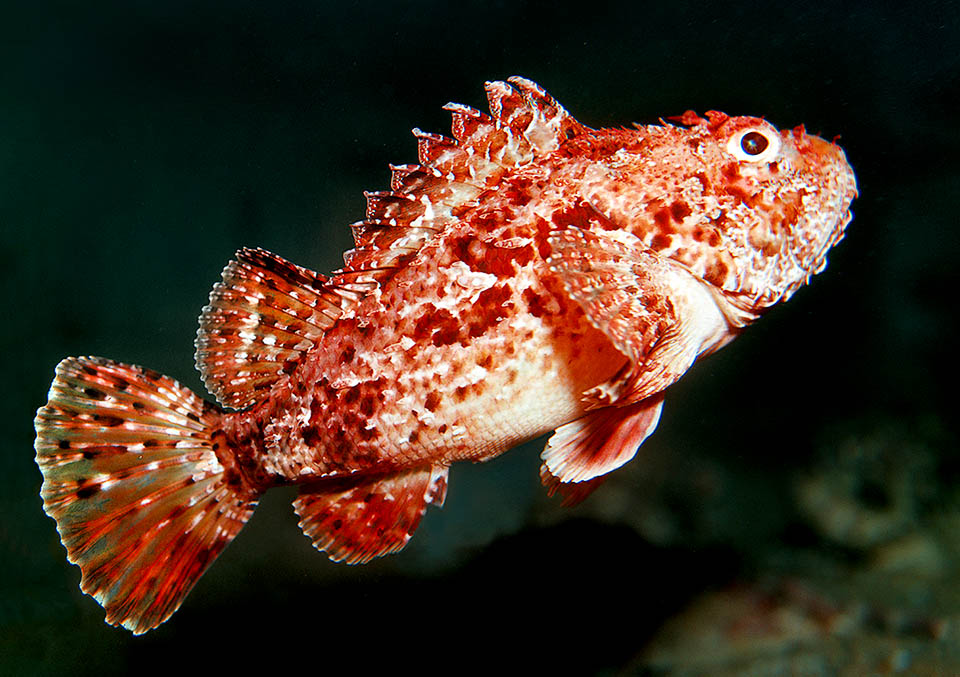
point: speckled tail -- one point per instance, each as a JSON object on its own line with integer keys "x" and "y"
{"x": 142, "y": 490}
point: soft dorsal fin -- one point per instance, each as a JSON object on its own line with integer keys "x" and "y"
{"x": 424, "y": 198}
{"x": 261, "y": 318}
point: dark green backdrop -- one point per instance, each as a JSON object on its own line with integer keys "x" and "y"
{"x": 141, "y": 143}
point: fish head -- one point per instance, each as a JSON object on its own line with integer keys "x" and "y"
{"x": 780, "y": 199}
{"x": 749, "y": 209}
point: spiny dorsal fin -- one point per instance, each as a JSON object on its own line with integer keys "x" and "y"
{"x": 530, "y": 111}
{"x": 261, "y": 318}
{"x": 424, "y": 198}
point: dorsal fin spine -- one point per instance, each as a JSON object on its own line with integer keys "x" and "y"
{"x": 400, "y": 173}
{"x": 433, "y": 149}
{"x": 381, "y": 203}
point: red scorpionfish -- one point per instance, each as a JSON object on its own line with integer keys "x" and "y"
{"x": 529, "y": 274}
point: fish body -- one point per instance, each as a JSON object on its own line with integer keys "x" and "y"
{"x": 530, "y": 274}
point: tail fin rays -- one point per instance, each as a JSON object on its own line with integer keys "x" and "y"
{"x": 132, "y": 477}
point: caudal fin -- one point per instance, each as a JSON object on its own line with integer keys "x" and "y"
{"x": 131, "y": 475}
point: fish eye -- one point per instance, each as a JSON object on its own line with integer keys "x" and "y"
{"x": 754, "y": 145}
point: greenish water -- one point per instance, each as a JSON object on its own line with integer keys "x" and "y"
{"x": 142, "y": 143}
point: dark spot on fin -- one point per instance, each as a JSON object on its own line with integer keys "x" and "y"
{"x": 88, "y": 490}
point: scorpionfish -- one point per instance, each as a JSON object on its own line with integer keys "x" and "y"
{"x": 530, "y": 274}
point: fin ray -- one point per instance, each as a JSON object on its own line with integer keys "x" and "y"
{"x": 622, "y": 291}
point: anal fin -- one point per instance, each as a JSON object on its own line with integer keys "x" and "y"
{"x": 355, "y": 520}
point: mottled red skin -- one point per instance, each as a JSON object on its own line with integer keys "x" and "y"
{"x": 348, "y": 386}
{"x": 425, "y": 371}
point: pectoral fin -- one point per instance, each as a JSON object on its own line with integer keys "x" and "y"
{"x": 625, "y": 292}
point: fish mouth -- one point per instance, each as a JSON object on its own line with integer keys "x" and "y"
{"x": 840, "y": 184}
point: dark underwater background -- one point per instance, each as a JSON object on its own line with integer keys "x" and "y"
{"x": 798, "y": 510}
